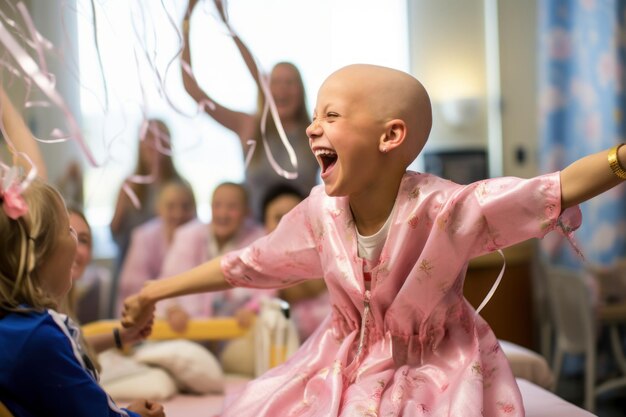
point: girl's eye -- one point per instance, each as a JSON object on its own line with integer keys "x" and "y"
{"x": 331, "y": 114}
{"x": 73, "y": 233}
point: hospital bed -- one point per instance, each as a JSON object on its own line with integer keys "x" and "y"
{"x": 532, "y": 372}
{"x": 538, "y": 401}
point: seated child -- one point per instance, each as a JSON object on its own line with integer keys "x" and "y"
{"x": 150, "y": 242}
{"x": 94, "y": 344}
{"x": 196, "y": 243}
{"x": 44, "y": 370}
{"x": 393, "y": 247}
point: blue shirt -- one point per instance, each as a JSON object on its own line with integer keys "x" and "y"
{"x": 44, "y": 372}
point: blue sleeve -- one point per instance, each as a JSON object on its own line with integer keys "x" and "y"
{"x": 53, "y": 381}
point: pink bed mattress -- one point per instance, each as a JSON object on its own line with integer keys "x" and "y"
{"x": 537, "y": 401}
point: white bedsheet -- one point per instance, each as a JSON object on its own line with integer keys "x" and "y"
{"x": 528, "y": 365}
{"x": 537, "y": 401}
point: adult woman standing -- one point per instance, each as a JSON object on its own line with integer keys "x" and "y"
{"x": 287, "y": 89}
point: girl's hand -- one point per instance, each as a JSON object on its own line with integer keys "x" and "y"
{"x": 245, "y": 317}
{"x": 146, "y": 408}
{"x": 177, "y": 318}
{"x": 138, "y": 313}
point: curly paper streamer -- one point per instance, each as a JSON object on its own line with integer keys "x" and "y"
{"x": 39, "y": 41}
{"x": 269, "y": 107}
{"x": 160, "y": 137}
{"x": 150, "y": 57}
{"x": 97, "y": 47}
{"x": 203, "y": 104}
{"x": 570, "y": 220}
{"x": 495, "y": 285}
{"x": 162, "y": 143}
{"x": 11, "y": 188}
{"x": 186, "y": 68}
{"x": 26, "y": 40}
{"x": 9, "y": 175}
{"x": 34, "y": 72}
{"x": 251, "y": 148}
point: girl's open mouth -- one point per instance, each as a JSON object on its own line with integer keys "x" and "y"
{"x": 326, "y": 158}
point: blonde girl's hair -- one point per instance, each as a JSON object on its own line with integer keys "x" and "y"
{"x": 26, "y": 244}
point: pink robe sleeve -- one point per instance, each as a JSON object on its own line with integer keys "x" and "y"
{"x": 500, "y": 212}
{"x": 285, "y": 257}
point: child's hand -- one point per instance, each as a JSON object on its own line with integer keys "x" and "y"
{"x": 132, "y": 335}
{"x": 245, "y": 317}
{"x": 137, "y": 313}
{"x": 146, "y": 408}
{"x": 177, "y": 318}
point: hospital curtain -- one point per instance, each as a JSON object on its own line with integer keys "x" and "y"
{"x": 581, "y": 111}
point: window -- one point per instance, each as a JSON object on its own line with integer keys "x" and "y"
{"x": 318, "y": 36}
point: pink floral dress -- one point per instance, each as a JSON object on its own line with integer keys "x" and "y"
{"x": 412, "y": 346}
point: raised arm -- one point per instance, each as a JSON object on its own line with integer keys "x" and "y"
{"x": 21, "y": 136}
{"x": 122, "y": 206}
{"x": 590, "y": 176}
{"x": 243, "y": 49}
{"x": 240, "y": 123}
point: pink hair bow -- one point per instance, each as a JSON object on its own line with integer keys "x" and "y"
{"x": 11, "y": 189}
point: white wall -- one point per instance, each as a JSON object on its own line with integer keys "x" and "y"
{"x": 449, "y": 55}
{"x": 518, "y": 73}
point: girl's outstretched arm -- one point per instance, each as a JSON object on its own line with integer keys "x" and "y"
{"x": 138, "y": 309}
{"x": 590, "y": 176}
{"x": 21, "y": 136}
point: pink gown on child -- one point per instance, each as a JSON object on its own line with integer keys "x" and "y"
{"x": 413, "y": 346}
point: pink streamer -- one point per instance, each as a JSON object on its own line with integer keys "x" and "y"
{"x": 97, "y": 45}
{"x": 34, "y": 72}
{"x": 38, "y": 41}
{"x": 269, "y": 107}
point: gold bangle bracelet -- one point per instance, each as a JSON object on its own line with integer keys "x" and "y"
{"x": 616, "y": 167}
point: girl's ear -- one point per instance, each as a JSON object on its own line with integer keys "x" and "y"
{"x": 393, "y": 136}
